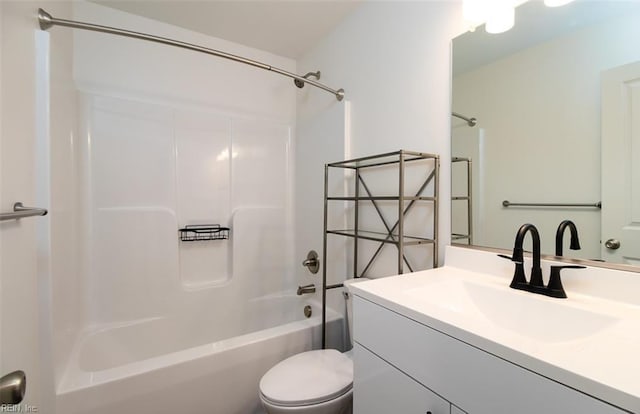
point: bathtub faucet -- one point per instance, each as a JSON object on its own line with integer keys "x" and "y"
{"x": 306, "y": 289}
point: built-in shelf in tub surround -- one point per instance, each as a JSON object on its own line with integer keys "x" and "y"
{"x": 463, "y": 334}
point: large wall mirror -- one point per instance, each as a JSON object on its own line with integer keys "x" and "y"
{"x": 557, "y": 134}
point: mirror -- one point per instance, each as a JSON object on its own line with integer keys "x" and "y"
{"x": 557, "y": 113}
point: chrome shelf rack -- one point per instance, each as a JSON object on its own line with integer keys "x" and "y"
{"x": 395, "y": 234}
{"x": 468, "y": 198}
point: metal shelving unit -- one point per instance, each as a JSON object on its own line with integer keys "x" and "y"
{"x": 468, "y": 198}
{"x": 395, "y": 234}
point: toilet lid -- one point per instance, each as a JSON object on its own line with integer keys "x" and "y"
{"x": 308, "y": 378}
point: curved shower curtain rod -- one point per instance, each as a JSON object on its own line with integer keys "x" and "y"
{"x": 46, "y": 21}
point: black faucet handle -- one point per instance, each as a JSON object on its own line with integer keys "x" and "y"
{"x": 519, "y": 280}
{"x": 554, "y": 288}
{"x": 504, "y": 256}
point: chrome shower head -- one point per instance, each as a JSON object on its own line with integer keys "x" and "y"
{"x": 300, "y": 84}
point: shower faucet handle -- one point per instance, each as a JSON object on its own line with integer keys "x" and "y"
{"x": 312, "y": 262}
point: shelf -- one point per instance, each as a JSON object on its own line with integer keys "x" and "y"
{"x": 460, "y": 159}
{"x": 381, "y": 237}
{"x": 468, "y": 198}
{"x": 203, "y": 232}
{"x": 383, "y": 159}
{"x": 455, "y": 236}
{"x": 407, "y": 167}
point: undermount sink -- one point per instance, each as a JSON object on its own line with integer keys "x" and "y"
{"x": 542, "y": 319}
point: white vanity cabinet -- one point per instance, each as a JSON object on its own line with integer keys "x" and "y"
{"x": 400, "y": 361}
{"x": 382, "y": 389}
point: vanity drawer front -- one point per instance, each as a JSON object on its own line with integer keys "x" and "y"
{"x": 379, "y": 388}
{"x": 474, "y": 380}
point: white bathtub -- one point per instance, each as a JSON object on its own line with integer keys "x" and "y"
{"x": 185, "y": 365}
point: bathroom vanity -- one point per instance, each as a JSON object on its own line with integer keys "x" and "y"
{"x": 457, "y": 339}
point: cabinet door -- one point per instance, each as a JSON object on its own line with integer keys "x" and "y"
{"x": 379, "y": 388}
{"x": 456, "y": 410}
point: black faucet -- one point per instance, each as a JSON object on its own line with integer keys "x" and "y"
{"x": 536, "y": 284}
{"x": 574, "y": 244}
{"x": 519, "y": 280}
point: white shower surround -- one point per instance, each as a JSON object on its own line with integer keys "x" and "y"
{"x": 150, "y": 169}
{"x": 165, "y": 138}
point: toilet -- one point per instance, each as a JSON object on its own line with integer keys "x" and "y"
{"x": 312, "y": 382}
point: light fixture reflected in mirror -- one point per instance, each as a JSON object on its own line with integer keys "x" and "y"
{"x": 474, "y": 13}
{"x": 556, "y": 3}
{"x": 497, "y": 15}
{"x": 501, "y": 18}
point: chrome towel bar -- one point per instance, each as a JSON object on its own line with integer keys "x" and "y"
{"x": 20, "y": 211}
{"x": 507, "y": 203}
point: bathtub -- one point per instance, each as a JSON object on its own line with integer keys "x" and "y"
{"x": 185, "y": 365}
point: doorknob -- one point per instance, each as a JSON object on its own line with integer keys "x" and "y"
{"x": 612, "y": 244}
{"x": 12, "y": 388}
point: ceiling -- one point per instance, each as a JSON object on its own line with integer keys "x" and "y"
{"x": 286, "y": 28}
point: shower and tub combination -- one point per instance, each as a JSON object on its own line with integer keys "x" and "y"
{"x": 175, "y": 286}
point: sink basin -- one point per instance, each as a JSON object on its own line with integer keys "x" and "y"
{"x": 529, "y": 315}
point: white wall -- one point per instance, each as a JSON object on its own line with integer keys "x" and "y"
{"x": 21, "y": 322}
{"x": 33, "y": 71}
{"x": 540, "y": 111}
{"x": 393, "y": 60}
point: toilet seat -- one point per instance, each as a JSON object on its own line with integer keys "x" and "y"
{"x": 308, "y": 378}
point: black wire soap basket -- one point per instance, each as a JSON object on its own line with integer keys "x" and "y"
{"x": 203, "y": 232}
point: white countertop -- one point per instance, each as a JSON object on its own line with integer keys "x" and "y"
{"x": 590, "y": 341}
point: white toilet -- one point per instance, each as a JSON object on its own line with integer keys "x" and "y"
{"x": 313, "y": 382}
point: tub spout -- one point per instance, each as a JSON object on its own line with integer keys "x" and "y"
{"x": 306, "y": 289}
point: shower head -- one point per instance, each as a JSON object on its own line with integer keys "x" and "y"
{"x": 300, "y": 84}
{"x": 470, "y": 121}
